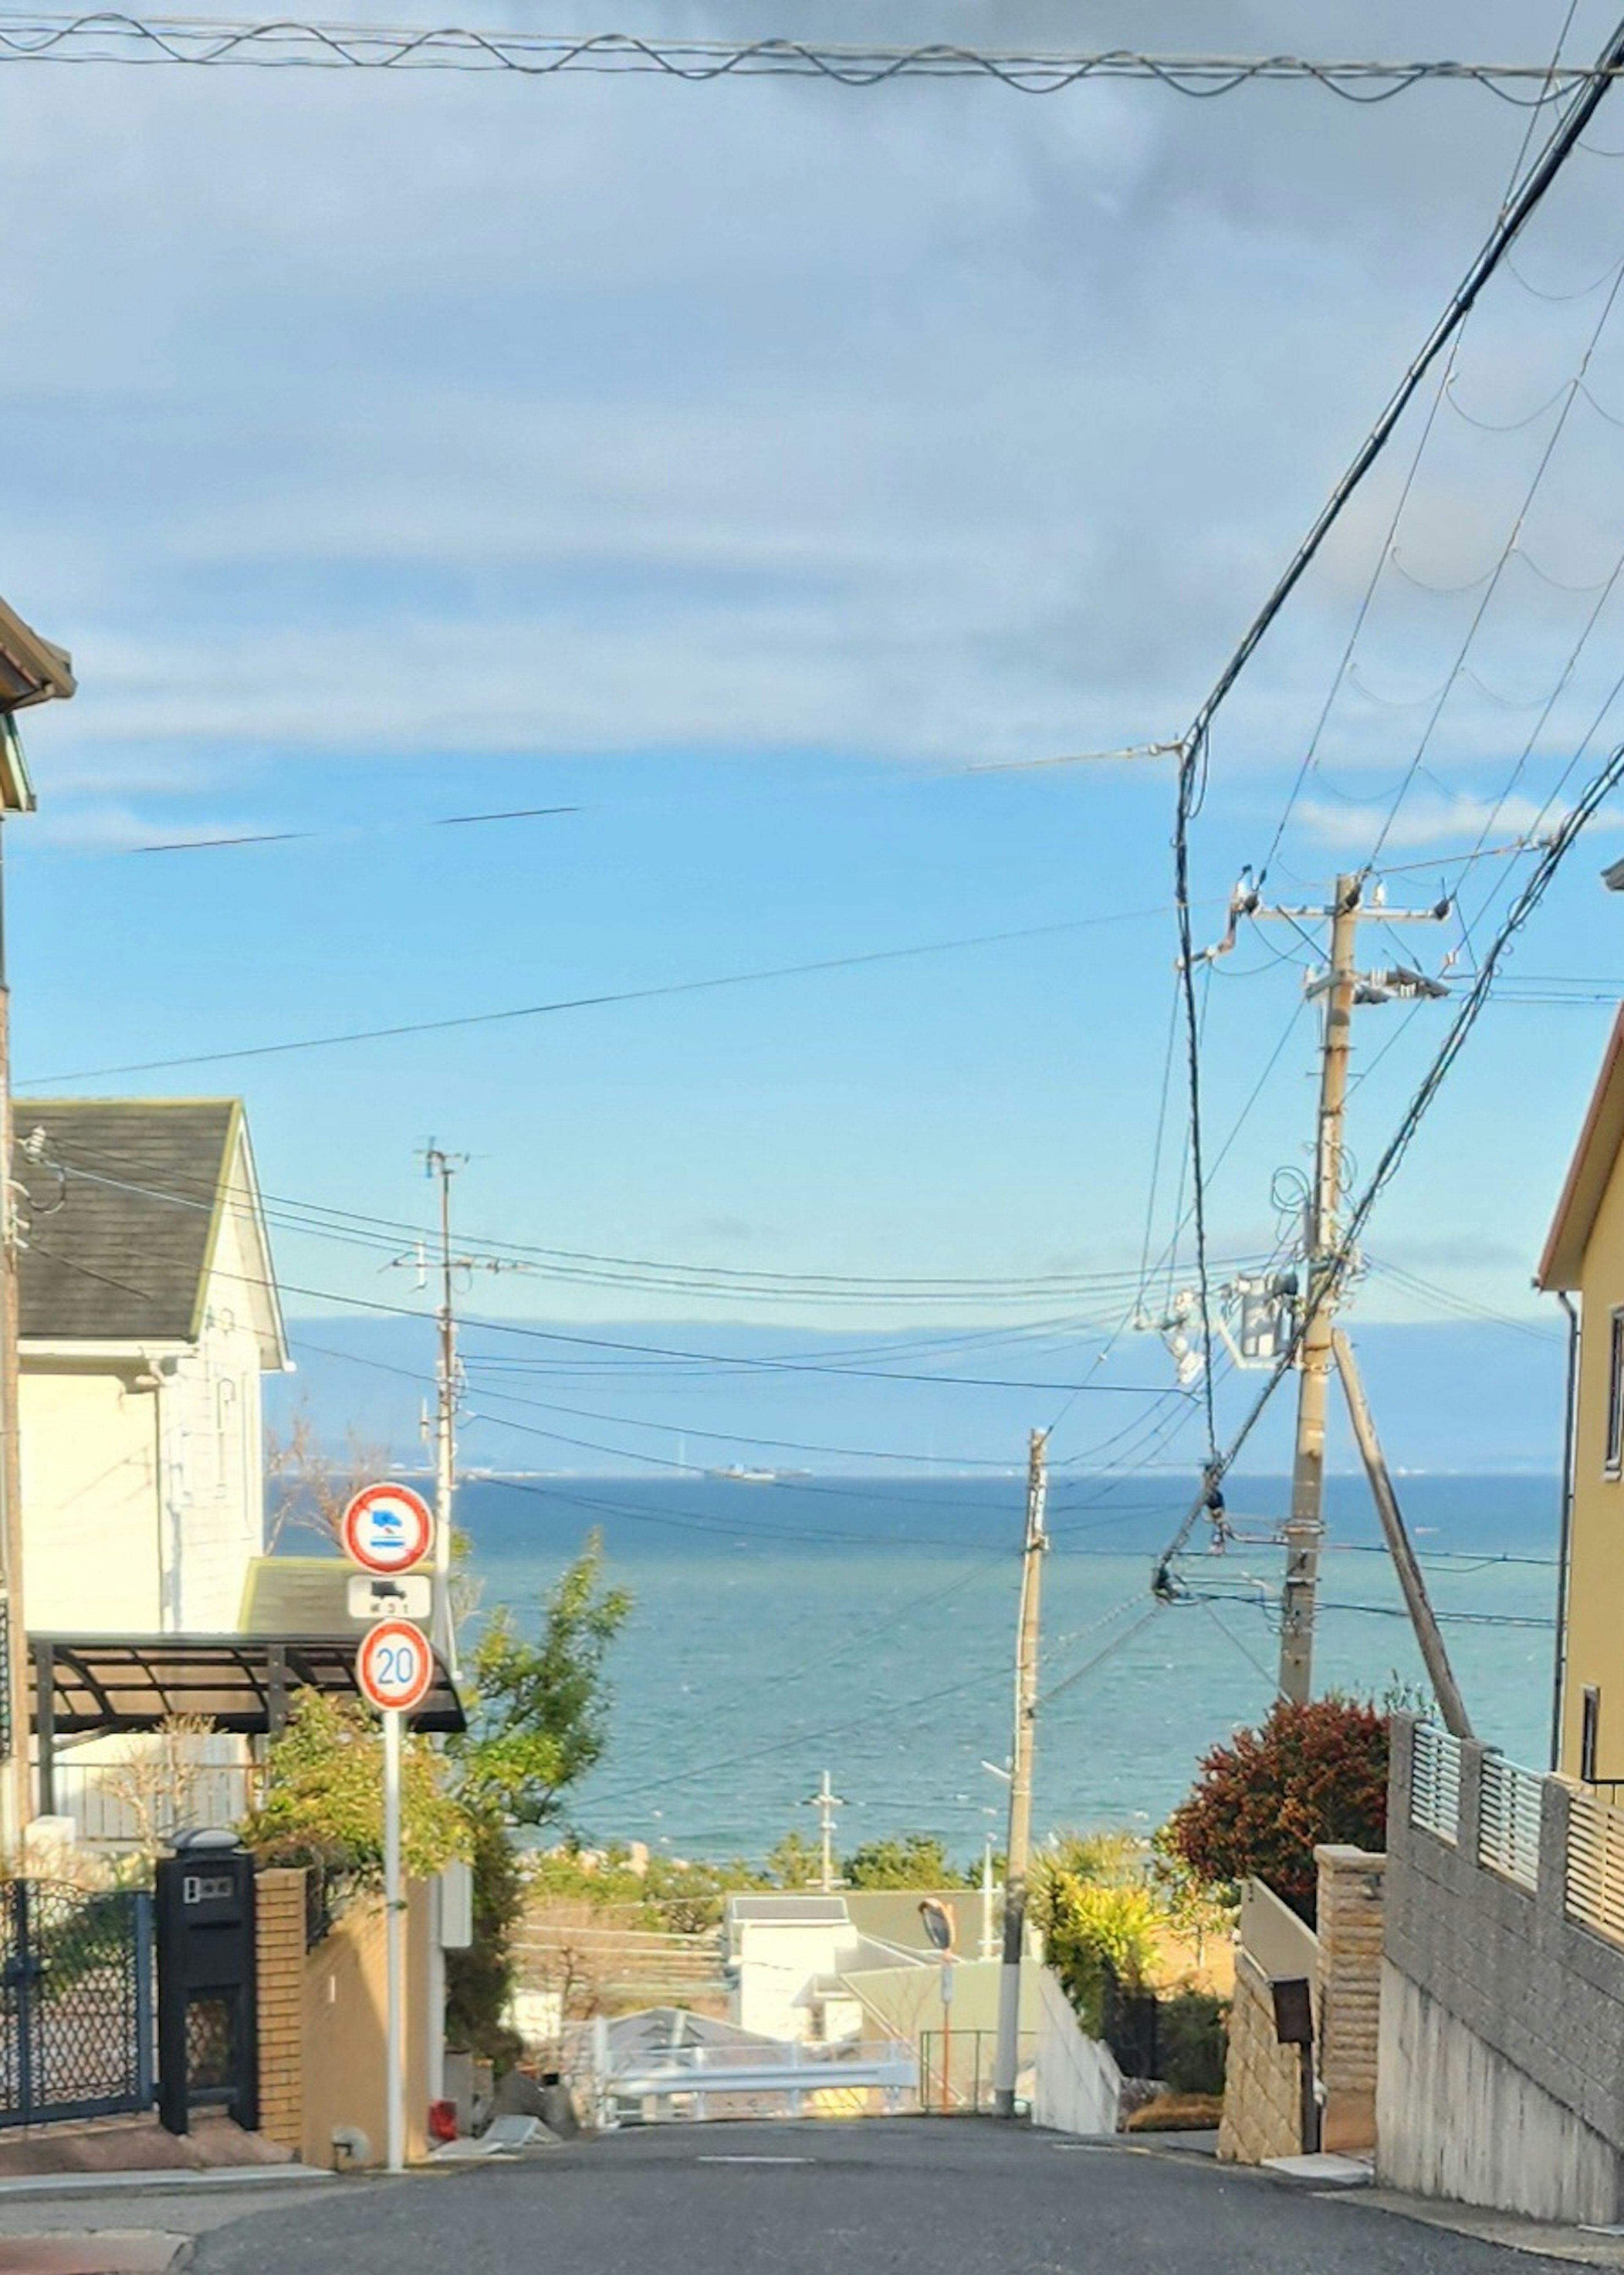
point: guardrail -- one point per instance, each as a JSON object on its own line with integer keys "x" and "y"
{"x": 698, "y": 2076}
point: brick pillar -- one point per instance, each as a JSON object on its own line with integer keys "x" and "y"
{"x": 1350, "y": 1951}
{"x": 281, "y": 2007}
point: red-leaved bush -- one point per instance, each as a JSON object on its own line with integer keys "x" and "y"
{"x": 1311, "y": 1774}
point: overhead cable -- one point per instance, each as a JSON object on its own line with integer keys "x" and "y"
{"x": 1513, "y": 217}
{"x": 111, "y": 37}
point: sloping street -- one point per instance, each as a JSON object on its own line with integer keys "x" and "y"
{"x": 909, "y": 2197}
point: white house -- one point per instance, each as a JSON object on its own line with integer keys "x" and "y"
{"x": 148, "y": 1315}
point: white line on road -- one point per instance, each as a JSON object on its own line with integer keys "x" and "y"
{"x": 755, "y": 2160}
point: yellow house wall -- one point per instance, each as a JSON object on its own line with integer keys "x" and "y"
{"x": 91, "y": 1550}
{"x": 1596, "y": 1575}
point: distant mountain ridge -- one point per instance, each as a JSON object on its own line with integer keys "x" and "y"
{"x": 611, "y": 1399}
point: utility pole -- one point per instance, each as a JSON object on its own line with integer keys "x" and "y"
{"x": 826, "y": 1801}
{"x": 1305, "y": 1526}
{"x": 1343, "y": 987}
{"x": 444, "y": 1167}
{"x": 1007, "y": 2063}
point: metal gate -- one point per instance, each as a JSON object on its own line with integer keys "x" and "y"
{"x": 76, "y": 2002}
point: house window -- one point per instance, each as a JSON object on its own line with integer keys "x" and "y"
{"x": 1590, "y": 1731}
{"x": 1615, "y": 1397}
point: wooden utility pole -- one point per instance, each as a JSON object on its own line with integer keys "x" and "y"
{"x": 1411, "y": 1578}
{"x": 1305, "y": 1526}
{"x": 1007, "y": 2063}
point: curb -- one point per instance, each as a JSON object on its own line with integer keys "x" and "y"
{"x": 94, "y": 2184}
{"x": 110, "y": 2251}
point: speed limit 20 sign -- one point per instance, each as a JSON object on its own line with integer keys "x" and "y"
{"x": 395, "y": 1667}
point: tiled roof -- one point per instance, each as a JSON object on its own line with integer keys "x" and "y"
{"x": 121, "y": 1208}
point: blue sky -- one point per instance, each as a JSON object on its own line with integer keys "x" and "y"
{"x": 751, "y": 468}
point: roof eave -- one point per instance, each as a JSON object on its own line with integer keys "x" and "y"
{"x": 1561, "y": 1264}
{"x": 32, "y": 669}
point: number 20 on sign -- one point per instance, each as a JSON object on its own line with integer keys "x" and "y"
{"x": 395, "y": 1668}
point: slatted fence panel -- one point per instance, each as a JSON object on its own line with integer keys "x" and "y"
{"x": 1508, "y": 1821}
{"x": 1595, "y": 1894}
{"x": 1435, "y": 1782}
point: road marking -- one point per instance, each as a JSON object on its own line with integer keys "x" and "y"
{"x": 754, "y": 2160}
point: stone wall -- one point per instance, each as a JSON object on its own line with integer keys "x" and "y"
{"x": 1350, "y": 1929}
{"x": 1502, "y": 2026}
{"x": 280, "y": 1937}
{"x": 1263, "y": 2089}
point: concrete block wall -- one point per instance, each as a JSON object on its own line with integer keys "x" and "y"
{"x": 1262, "y": 2089}
{"x": 1501, "y": 2076}
{"x": 1350, "y": 1930}
{"x": 281, "y": 1987}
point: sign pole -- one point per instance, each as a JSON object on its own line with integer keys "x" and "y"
{"x": 394, "y": 1941}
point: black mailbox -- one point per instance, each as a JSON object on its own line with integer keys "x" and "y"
{"x": 207, "y": 1995}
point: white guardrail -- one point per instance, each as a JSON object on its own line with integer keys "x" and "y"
{"x": 697, "y": 2076}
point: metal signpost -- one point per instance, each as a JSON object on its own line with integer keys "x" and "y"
{"x": 387, "y": 1529}
{"x": 941, "y": 1926}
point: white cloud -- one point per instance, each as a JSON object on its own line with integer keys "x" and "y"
{"x": 1429, "y": 818}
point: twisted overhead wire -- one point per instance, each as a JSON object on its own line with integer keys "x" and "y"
{"x": 111, "y": 36}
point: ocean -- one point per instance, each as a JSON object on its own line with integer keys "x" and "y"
{"x": 866, "y": 1627}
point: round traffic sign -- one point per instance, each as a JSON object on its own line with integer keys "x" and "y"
{"x": 395, "y": 1666}
{"x": 387, "y": 1528}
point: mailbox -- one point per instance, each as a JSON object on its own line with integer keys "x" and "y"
{"x": 208, "y": 1994}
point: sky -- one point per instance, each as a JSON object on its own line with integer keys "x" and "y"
{"x": 774, "y": 478}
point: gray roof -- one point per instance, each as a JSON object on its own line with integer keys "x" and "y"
{"x": 122, "y": 1206}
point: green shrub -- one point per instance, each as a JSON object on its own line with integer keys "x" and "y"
{"x": 1193, "y": 2045}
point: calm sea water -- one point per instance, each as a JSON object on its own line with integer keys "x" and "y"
{"x": 867, "y": 1627}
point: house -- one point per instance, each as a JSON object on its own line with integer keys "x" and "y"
{"x": 1502, "y": 1995}
{"x": 1584, "y": 1263}
{"x": 148, "y": 1315}
{"x": 33, "y": 670}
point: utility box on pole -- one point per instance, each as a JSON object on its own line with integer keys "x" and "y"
{"x": 208, "y": 2052}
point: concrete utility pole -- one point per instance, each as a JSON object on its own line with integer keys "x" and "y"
{"x": 1006, "y": 2062}
{"x": 444, "y": 1167}
{"x": 826, "y": 1801}
{"x": 1344, "y": 987}
{"x": 1305, "y": 1527}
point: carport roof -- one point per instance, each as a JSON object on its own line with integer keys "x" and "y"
{"x": 106, "y": 1686}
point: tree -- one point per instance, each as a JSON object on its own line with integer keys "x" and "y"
{"x": 1311, "y": 1774}
{"x": 795, "y": 1862}
{"x": 538, "y": 1718}
{"x": 323, "y": 1800}
{"x": 917, "y": 1860}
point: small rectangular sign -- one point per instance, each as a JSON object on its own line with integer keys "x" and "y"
{"x": 401, "y": 1595}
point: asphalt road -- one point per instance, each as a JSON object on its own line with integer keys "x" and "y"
{"x": 893, "y": 2197}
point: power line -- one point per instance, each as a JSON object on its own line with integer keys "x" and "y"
{"x": 1533, "y": 891}
{"x": 591, "y": 1002}
{"x": 120, "y": 38}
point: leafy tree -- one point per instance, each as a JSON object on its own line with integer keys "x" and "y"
{"x": 1311, "y": 1774}
{"x": 795, "y": 1862}
{"x": 538, "y": 1718}
{"x": 917, "y": 1860}
{"x": 1092, "y": 1931}
{"x": 323, "y": 1800}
